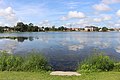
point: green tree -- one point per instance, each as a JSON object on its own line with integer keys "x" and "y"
{"x": 21, "y": 27}
{"x": 104, "y": 29}
{"x": 53, "y": 28}
{"x": 62, "y": 28}
{"x": 31, "y": 25}
{"x": 47, "y": 29}
{"x": 1, "y": 29}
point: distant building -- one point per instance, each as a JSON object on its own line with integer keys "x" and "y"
{"x": 117, "y": 29}
{"x": 8, "y": 29}
{"x": 77, "y": 29}
{"x": 100, "y": 30}
{"x": 73, "y": 29}
{"x": 89, "y": 28}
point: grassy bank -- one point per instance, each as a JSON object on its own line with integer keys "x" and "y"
{"x": 32, "y": 62}
{"x": 46, "y": 76}
{"x": 98, "y": 63}
{"x": 35, "y": 67}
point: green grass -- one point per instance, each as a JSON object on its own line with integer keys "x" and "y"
{"x": 46, "y": 76}
{"x": 98, "y": 62}
{"x": 32, "y": 62}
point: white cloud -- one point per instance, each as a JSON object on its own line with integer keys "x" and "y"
{"x": 74, "y": 14}
{"x": 45, "y": 23}
{"x": 72, "y": 5}
{"x": 8, "y": 14}
{"x": 118, "y": 13}
{"x": 102, "y": 17}
{"x": 1, "y": 24}
{"x": 118, "y": 21}
{"x": 101, "y": 7}
{"x": 82, "y": 21}
{"x": 110, "y": 1}
{"x": 107, "y": 17}
{"x": 31, "y": 10}
{"x": 64, "y": 18}
{"x": 68, "y": 24}
{"x": 97, "y": 20}
{"x": 104, "y": 5}
{"x": 117, "y": 25}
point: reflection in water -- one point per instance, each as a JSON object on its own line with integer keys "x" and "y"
{"x": 19, "y": 39}
{"x": 118, "y": 49}
{"x": 76, "y": 47}
{"x": 8, "y": 45}
{"x": 63, "y": 49}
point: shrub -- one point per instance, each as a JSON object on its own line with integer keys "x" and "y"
{"x": 117, "y": 66}
{"x": 13, "y": 63}
{"x": 3, "y": 57}
{"x": 97, "y": 63}
{"x": 33, "y": 62}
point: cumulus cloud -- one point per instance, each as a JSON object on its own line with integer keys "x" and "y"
{"x": 64, "y": 18}
{"x": 101, "y": 7}
{"x": 8, "y": 14}
{"x": 45, "y": 23}
{"x": 117, "y": 25}
{"x": 72, "y": 5}
{"x": 82, "y": 22}
{"x": 118, "y": 13}
{"x": 1, "y": 24}
{"x": 68, "y": 24}
{"x": 107, "y": 17}
{"x": 74, "y": 14}
{"x": 104, "y": 5}
{"x": 102, "y": 17}
{"x": 97, "y": 20}
{"x": 110, "y": 1}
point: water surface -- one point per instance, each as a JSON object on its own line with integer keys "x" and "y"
{"x": 64, "y": 50}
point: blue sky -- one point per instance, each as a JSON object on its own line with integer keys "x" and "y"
{"x": 69, "y": 13}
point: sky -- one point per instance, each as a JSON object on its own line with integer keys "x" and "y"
{"x": 68, "y": 13}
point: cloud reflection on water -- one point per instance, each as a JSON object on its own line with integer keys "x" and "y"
{"x": 75, "y": 47}
{"x": 8, "y": 45}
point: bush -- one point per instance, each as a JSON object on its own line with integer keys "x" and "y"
{"x": 32, "y": 62}
{"x": 97, "y": 63}
{"x": 117, "y": 66}
{"x": 35, "y": 62}
{"x": 9, "y": 62}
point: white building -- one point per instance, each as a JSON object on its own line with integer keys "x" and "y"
{"x": 89, "y": 28}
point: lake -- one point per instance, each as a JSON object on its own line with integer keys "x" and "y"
{"x": 64, "y": 50}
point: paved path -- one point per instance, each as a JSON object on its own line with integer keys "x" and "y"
{"x": 64, "y": 73}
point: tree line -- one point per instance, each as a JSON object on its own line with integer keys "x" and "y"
{"x": 21, "y": 27}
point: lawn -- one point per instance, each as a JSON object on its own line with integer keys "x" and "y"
{"x": 46, "y": 76}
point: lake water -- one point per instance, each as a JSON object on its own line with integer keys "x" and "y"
{"x": 64, "y": 50}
